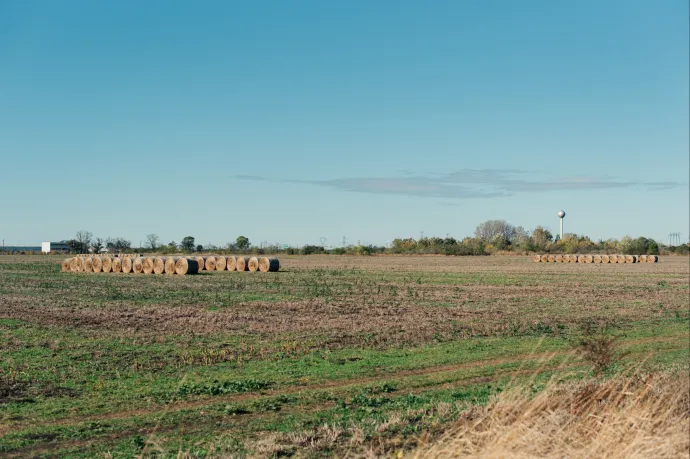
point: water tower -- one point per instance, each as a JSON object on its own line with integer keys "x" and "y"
{"x": 561, "y": 216}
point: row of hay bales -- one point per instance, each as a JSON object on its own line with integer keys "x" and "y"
{"x": 168, "y": 265}
{"x": 596, "y": 259}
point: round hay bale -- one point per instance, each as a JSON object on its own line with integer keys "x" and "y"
{"x": 535, "y": 258}
{"x": 65, "y": 265}
{"x": 147, "y": 265}
{"x": 596, "y": 259}
{"x": 605, "y": 259}
{"x": 620, "y": 259}
{"x": 559, "y": 259}
{"x": 242, "y": 263}
{"x": 138, "y": 265}
{"x": 544, "y": 258}
{"x": 573, "y": 258}
{"x": 210, "y": 263}
{"x": 642, "y": 259}
{"x": 107, "y": 264}
{"x": 170, "y": 265}
{"x": 550, "y": 258}
{"x": 268, "y": 264}
{"x": 159, "y": 265}
{"x": 186, "y": 266}
{"x": 253, "y": 264}
{"x": 580, "y": 258}
{"x": 88, "y": 265}
{"x": 117, "y": 265}
{"x": 127, "y": 265}
{"x": 630, "y": 259}
{"x": 652, "y": 258}
{"x": 231, "y": 263}
{"x": 97, "y": 264}
{"x": 589, "y": 259}
{"x": 75, "y": 265}
{"x": 221, "y": 263}
{"x": 202, "y": 262}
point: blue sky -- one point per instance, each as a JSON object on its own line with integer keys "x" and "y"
{"x": 291, "y": 121}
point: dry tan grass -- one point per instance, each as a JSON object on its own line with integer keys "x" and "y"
{"x": 625, "y": 417}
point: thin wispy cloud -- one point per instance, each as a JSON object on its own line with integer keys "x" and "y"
{"x": 473, "y": 183}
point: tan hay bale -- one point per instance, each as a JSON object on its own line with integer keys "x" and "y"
{"x": 97, "y": 264}
{"x": 186, "y": 266}
{"x": 268, "y": 264}
{"x": 88, "y": 265}
{"x": 138, "y": 265}
{"x": 652, "y": 258}
{"x": 170, "y": 265}
{"x": 210, "y": 263}
{"x": 573, "y": 258}
{"x": 536, "y": 258}
{"x": 202, "y": 262}
{"x": 147, "y": 267}
{"x": 64, "y": 266}
{"x": 231, "y": 263}
{"x": 589, "y": 259}
{"x": 620, "y": 259}
{"x": 580, "y": 258}
{"x": 159, "y": 265}
{"x": 75, "y": 265}
{"x": 242, "y": 263}
{"x": 544, "y": 258}
{"x": 558, "y": 258}
{"x": 605, "y": 259}
{"x": 107, "y": 264}
{"x": 221, "y": 263}
{"x": 253, "y": 264}
{"x": 127, "y": 265}
{"x": 117, "y": 265}
{"x": 630, "y": 259}
{"x": 597, "y": 259}
{"x": 642, "y": 259}
{"x": 550, "y": 258}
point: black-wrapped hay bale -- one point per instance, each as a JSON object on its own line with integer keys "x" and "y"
{"x": 185, "y": 266}
{"x": 268, "y": 265}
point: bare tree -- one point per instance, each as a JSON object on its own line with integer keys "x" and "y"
{"x": 152, "y": 241}
{"x": 83, "y": 238}
{"x": 491, "y": 229}
{"x": 97, "y": 244}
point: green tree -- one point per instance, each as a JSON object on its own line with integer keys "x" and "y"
{"x": 187, "y": 243}
{"x": 242, "y": 243}
{"x": 199, "y": 248}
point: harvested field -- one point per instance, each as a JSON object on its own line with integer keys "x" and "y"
{"x": 332, "y": 355}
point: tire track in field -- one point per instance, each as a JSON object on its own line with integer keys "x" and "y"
{"x": 202, "y": 425}
{"x": 339, "y": 384}
{"x": 42, "y": 449}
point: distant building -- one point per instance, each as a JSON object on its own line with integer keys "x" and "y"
{"x": 57, "y": 247}
{"x": 20, "y": 248}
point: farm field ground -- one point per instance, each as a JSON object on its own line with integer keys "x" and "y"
{"x": 330, "y": 356}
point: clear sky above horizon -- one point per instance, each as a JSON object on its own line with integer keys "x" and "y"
{"x": 291, "y": 121}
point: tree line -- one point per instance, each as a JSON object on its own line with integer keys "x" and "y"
{"x": 490, "y": 237}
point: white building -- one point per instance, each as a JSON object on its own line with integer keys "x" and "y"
{"x": 58, "y": 247}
